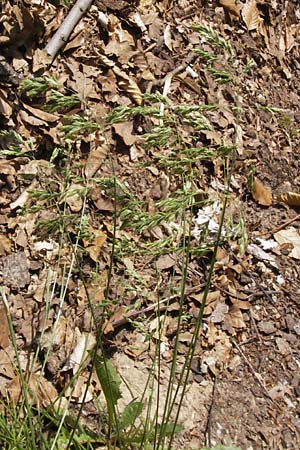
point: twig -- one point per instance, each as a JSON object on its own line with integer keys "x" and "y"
{"x": 62, "y": 34}
{"x": 160, "y": 305}
{"x": 280, "y": 227}
{"x": 260, "y": 287}
{"x": 173, "y": 72}
{"x": 253, "y": 371}
{"x": 239, "y": 297}
{"x": 210, "y": 413}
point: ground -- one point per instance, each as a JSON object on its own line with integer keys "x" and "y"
{"x": 110, "y": 217}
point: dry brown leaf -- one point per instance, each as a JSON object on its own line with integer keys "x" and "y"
{"x": 124, "y": 130}
{"x": 40, "y": 390}
{"x": 219, "y": 313}
{"x": 4, "y": 329}
{"x": 251, "y": 15}
{"x": 94, "y": 248}
{"x": 289, "y": 236}
{"x": 6, "y": 167}
{"x": 236, "y": 317}
{"x": 5, "y": 108}
{"x": 133, "y": 90}
{"x": 129, "y": 85}
{"x": 5, "y": 245}
{"x": 47, "y": 117}
{"x": 165, "y": 262}
{"x": 73, "y": 198}
{"x": 211, "y": 297}
{"x": 231, "y": 7}
{"x": 261, "y": 193}
{"x": 168, "y": 37}
{"x": 7, "y": 366}
{"x": 40, "y": 60}
{"x": 119, "y": 316}
{"x": 96, "y": 156}
{"x": 289, "y": 198}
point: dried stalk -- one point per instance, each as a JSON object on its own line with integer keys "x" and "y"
{"x": 63, "y": 33}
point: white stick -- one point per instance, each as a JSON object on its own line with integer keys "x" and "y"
{"x": 62, "y": 34}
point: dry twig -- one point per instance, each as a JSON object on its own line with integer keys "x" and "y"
{"x": 62, "y": 34}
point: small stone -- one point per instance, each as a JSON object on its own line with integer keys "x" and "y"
{"x": 266, "y": 327}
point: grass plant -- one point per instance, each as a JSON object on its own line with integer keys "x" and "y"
{"x": 59, "y": 426}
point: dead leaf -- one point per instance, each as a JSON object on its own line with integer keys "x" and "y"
{"x": 4, "y": 329}
{"x": 236, "y": 317}
{"x": 73, "y": 198}
{"x": 94, "y": 247}
{"x": 168, "y": 37}
{"x": 289, "y": 198}
{"x": 251, "y": 15}
{"x": 124, "y": 130}
{"x": 5, "y": 245}
{"x": 133, "y": 90}
{"x": 40, "y": 390}
{"x": 21, "y": 200}
{"x": 129, "y": 85}
{"x": 118, "y": 317}
{"x": 219, "y": 313}
{"x": 5, "y": 108}
{"x": 7, "y": 366}
{"x": 216, "y": 359}
{"x": 261, "y": 193}
{"x": 231, "y": 7}
{"x": 96, "y": 156}
{"x": 165, "y": 262}
{"x": 47, "y": 117}
{"x": 289, "y": 236}
{"x": 85, "y": 343}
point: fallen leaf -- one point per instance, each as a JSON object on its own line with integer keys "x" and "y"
{"x": 259, "y": 253}
{"x": 40, "y": 390}
{"x": 7, "y": 366}
{"x": 73, "y": 198}
{"x": 4, "y": 330}
{"x": 5, "y": 108}
{"x": 96, "y": 156}
{"x": 289, "y": 236}
{"x": 84, "y": 345}
{"x": 94, "y": 247}
{"x": 117, "y": 318}
{"x": 219, "y": 313}
{"x": 289, "y": 198}
{"x": 47, "y": 117}
{"x": 261, "y": 193}
{"x": 231, "y": 7}
{"x": 129, "y": 85}
{"x": 211, "y": 298}
{"x": 251, "y": 15}
{"x": 165, "y": 262}
{"x": 5, "y": 245}
{"x": 124, "y": 130}
{"x": 236, "y": 317}
{"x": 168, "y": 37}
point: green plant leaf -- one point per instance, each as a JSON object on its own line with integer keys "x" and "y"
{"x": 110, "y": 383}
{"x": 131, "y": 412}
{"x": 168, "y": 429}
